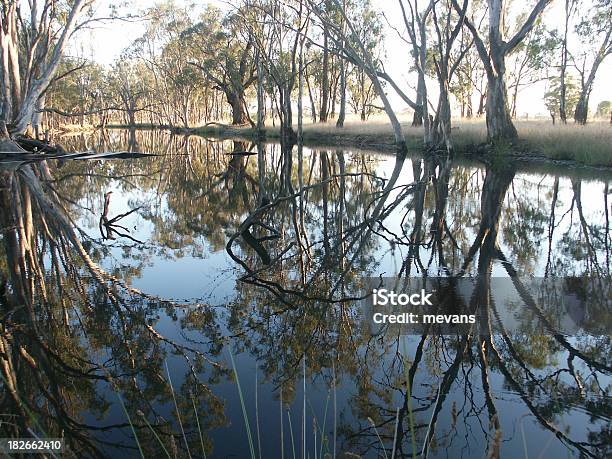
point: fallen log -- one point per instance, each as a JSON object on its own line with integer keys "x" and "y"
{"x": 11, "y": 151}
{"x": 38, "y": 146}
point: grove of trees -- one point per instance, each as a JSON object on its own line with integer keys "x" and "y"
{"x": 257, "y": 62}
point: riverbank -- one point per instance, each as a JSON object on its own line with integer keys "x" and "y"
{"x": 539, "y": 141}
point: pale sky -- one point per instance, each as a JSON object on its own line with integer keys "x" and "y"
{"x": 106, "y": 43}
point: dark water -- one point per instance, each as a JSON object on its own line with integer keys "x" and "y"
{"x": 216, "y": 251}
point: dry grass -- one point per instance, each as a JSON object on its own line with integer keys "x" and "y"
{"x": 76, "y": 128}
{"x": 590, "y": 144}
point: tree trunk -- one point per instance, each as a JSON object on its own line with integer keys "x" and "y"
{"x": 400, "y": 141}
{"x": 417, "y": 117}
{"x": 236, "y": 101}
{"x": 481, "y": 104}
{"x": 333, "y": 89}
{"x": 342, "y": 114}
{"x": 37, "y": 118}
{"x": 288, "y": 135}
{"x": 7, "y": 145}
{"x": 499, "y": 121}
{"x": 300, "y": 102}
{"x": 325, "y": 80}
{"x": 19, "y": 105}
{"x": 582, "y": 109}
{"x": 562, "y": 96}
{"x": 444, "y": 118}
{"x": 469, "y": 111}
{"x": 514, "y": 97}
{"x": 131, "y": 117}
{"x": 313, "y": 107}
{"x": 261, "y": 103}
{"x": 569, "y": 4}
{"x": 422, "y": 85}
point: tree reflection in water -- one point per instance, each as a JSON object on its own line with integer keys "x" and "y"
{"x": 75, "y": 337}
{"x": 301, "y": 228}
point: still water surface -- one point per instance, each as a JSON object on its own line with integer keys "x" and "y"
{"x": 130, "y": 285}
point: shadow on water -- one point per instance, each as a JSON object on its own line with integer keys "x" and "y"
{"x": 126, "y": 285}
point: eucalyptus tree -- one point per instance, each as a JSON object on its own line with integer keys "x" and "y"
{"x": 432, "y": 33}
{"x": 415, "y": 22}
{"x": 369, "y": 32}
{"x": 343, "y": 83}
{"x": 33, "y": 37}
{"x": 76, "y": 96}
{"x": 529, "y": 61}
{"x": 493, "y": 55}
{"x": 332, "y": 69}
{"x": 361, "y": 93}
{"x": 275, "y": 30}
{"x": 176, "y": 87}
{"x": 570, "y": 8}
{"x": 603, "y": 108}
{"x": 224, "y": 52}
{"x": 446, "y": 28}
{"x": 87, "y": 89}
{"x": 128, "y": 86}
{"x": 559, "y": 94}
{"x": 352, "y": 48}
{"x": 437, "y": 19}
{"x": 594, "y": 27}
{"x": 182, "y": 82}
{"x": 325, "y": 70}
{"x": 469, "y": 79}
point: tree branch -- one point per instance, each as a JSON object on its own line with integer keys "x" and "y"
{"x": 527, "y": 26}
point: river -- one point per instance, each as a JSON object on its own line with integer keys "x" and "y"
{"x": 221, "y": 279}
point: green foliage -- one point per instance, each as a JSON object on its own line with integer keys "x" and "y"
{"x": 218, "y": 45}
{"x": 361, "y": 93}
{"x": 603, "y": 108}
{"x": 552, "y": 97}
{"x": 537, "y": 51}
{"x": 80, "y": 86}
{"x": 531, "y": 59}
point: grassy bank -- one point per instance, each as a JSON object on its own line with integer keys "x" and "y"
{"x": 539, "y": 140}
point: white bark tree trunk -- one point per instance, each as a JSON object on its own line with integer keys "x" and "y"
{"x": 23, "y": 87}
{"x": 499, "y": 120}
